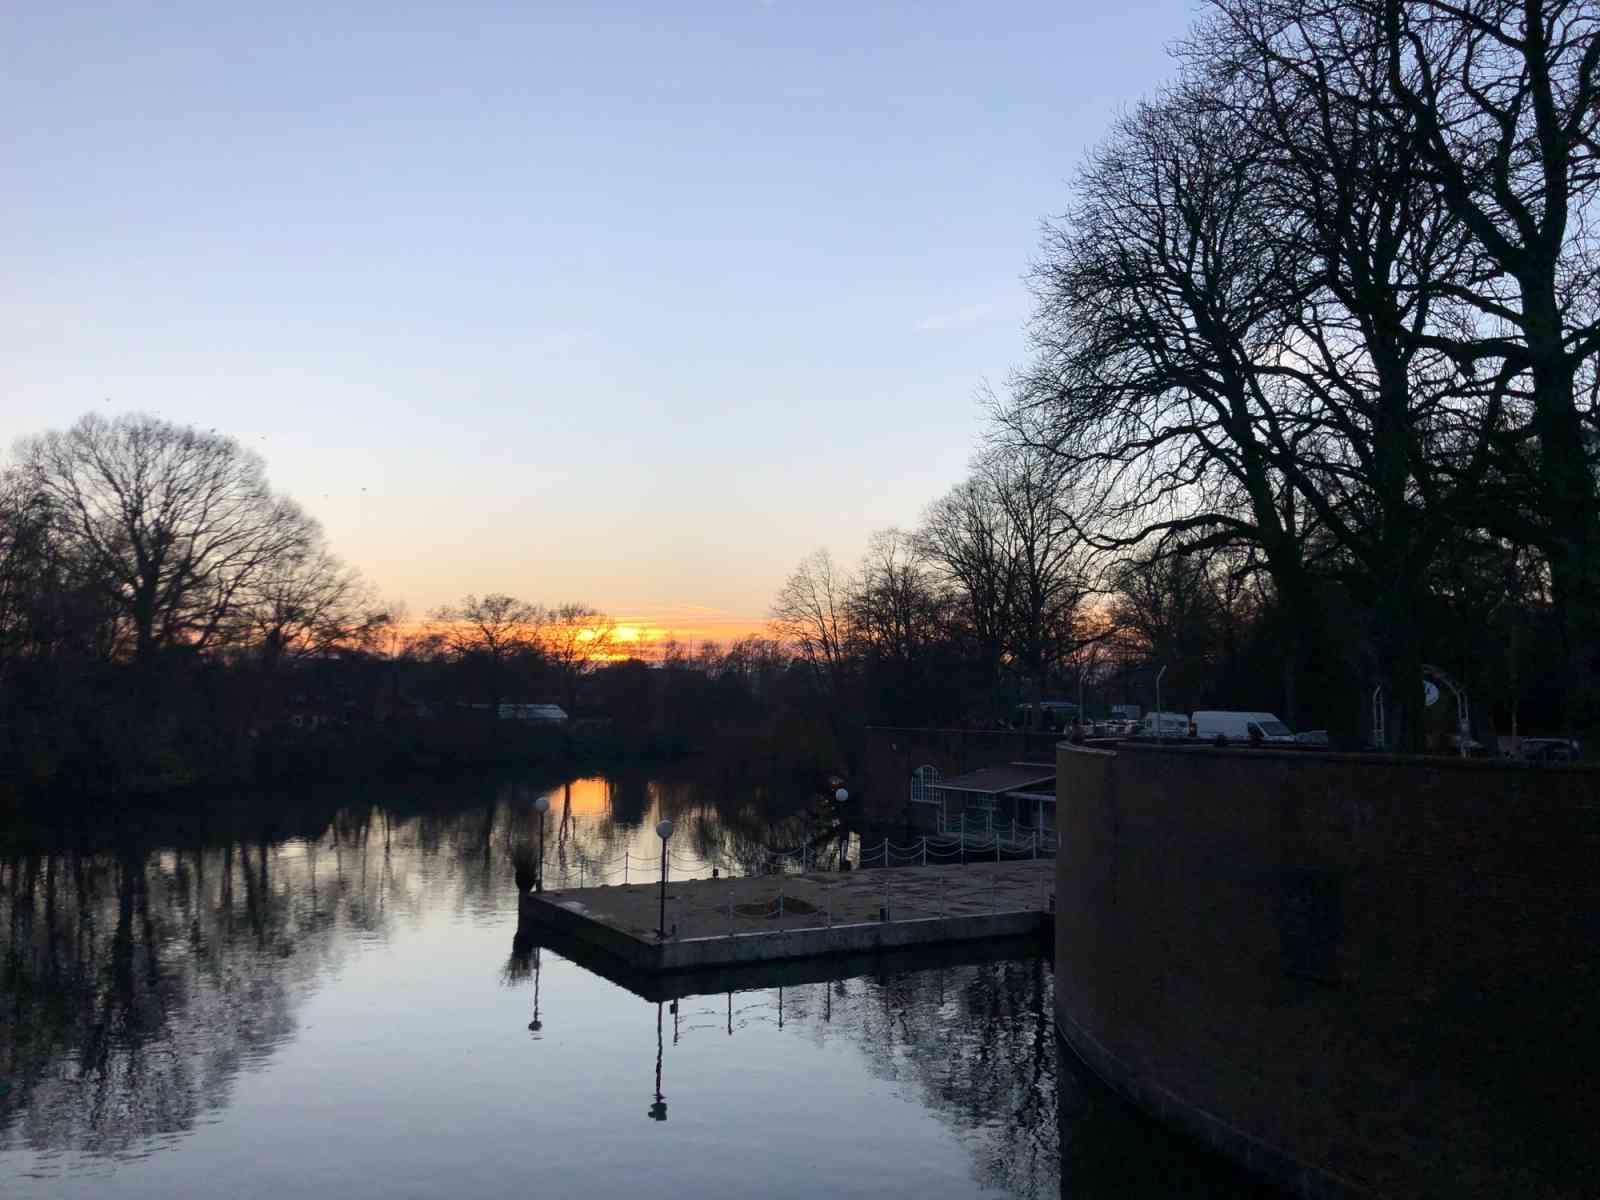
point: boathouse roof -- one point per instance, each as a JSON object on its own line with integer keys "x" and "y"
{"x": 994, "y": 780}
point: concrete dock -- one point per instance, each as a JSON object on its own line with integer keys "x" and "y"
{"x": 772, "y": 918}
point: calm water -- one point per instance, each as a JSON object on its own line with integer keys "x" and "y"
{"x": 336, "y": 1007}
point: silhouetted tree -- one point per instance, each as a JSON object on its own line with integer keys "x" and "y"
{"x": 174, "y": 524}
{"x": 812, "y": 614}
{"x": 487, "y": 636}
{"x": 575, "y": 637}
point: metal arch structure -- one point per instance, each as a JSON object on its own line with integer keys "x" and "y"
{"x": 1463, "y": 709}
{"x": 1463, "y": 712}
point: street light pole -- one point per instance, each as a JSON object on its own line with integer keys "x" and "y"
{"x": 542, "y": 805}
{"x": 663, "y": 831}
{"x": 842, "y": 796}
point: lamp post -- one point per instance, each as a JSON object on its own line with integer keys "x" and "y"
{"x": 541, "y": 806}
{"x": 844, "y": 851}
{"x": 663, "y": 831}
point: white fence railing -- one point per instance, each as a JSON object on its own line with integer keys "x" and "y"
{"x": 1004, "y": 842}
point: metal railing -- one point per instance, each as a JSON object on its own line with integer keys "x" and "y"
{"x": 1004, "y": 842}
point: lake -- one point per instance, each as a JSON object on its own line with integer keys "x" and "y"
{"x": 327, "y": 997}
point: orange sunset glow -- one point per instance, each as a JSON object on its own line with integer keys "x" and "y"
{"x": 643, "y": 636}
{"x": 639, "y": 636}
{"x": 590, "y": 797}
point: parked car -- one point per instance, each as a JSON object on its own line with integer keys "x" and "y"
{"x": 1053, "y": 714}
{"x": 1549, "y": 749}
{"x": 1253, "y": 728}
{"x": 1173, "y": 725}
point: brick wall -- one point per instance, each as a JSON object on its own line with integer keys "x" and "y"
{"x": 1358, "y": 973}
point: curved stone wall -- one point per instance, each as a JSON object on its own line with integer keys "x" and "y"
{"x": 1359, "y": 974}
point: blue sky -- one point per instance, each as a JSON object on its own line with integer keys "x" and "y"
{"x": 634, "y": 304}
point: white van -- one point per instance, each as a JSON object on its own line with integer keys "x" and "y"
{"x": 1173, "y": 725}
{"x": 1244, "y": 727}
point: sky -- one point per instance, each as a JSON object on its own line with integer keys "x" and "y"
{"x": 633, "y": 305}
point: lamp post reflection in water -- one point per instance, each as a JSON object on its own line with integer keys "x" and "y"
{"x": 535, "y": 1025}
{"x": 542, "y": 806}
{"x": 658, "y": 1110}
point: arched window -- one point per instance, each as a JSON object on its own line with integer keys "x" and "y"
{"x": 923, "y": 781}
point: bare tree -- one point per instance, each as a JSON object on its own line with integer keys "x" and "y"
{"x": 757, "y": 662}
{"x": 967, "y": 539}
{"x": 34, "y": 578}
{"x": 1199, "y": 380}
{"x": 175, "y": 524}
{"x": 310, "y": 604}
{"x": 895, "y": 608}
{"x": 574, "y": 637}
{"x": 1167, "y": 614}
{"x": 812, "y": 614}
{"x": 1503, "y": 98}
{"x": 489, "y": 634}
{"x": 1382, "y": 436}
{"x": 1049, "y": 580}
{"x": 1163, "y": 297}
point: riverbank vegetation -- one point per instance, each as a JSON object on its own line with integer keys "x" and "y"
{"x": 169, "y": 622}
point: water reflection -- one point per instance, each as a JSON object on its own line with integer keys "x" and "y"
{"x": 138, "y": 984}
{"x": 974, "y": 1045}
{"x": 332, "y": 984}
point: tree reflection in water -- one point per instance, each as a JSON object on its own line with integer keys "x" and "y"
{"x": 138, "y": 983}
{"x": 977, "y": 1045}
{"x": 140, "y": 979}
{"x": 975, "y": 1042}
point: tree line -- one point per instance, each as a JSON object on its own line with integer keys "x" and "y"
{"x": 166, "y": 618}
{"x": 1312, "y": 398}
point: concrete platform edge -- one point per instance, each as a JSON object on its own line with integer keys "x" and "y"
{"x": 777, "y": 945}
